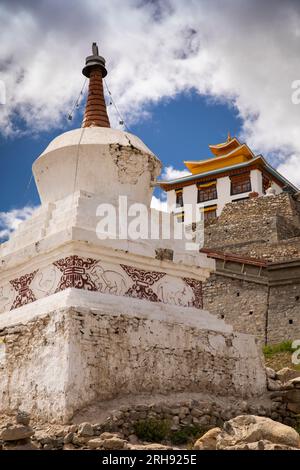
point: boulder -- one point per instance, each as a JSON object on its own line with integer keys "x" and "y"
{"x": 249, "y": 429}
{"x": 271, "y": 374}
{"x": 149, "y": 447}
{"x": 293, "y": 383}
{"x": 274, "y": 385}
{"x": 108, "y": 435}
{"x": 85, "y": 430}
{"x": 286, "y": 374}
{"x": 114, "y": 443}
{"x": 208, "y": 440}
{"x": 95, "y": 443}
{"x": 15, "y": 432}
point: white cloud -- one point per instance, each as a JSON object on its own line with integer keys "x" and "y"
{"x": 159, "y": 204}
{"x": 241, "y": 52}
{"x": 9, "y": 221}
{"x": 171, "y": 173}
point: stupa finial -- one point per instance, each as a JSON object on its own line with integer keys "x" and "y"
{"x": 95, "y": 114}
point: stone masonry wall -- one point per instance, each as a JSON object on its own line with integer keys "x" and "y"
{"x": 241, "y": 303}
{"x": 60, "y": 363}
{"x": 264, "y": 218}
{"x": 262, "y": 228}
{"x": 271, "y": 317}
{"x": 284, "y": 313}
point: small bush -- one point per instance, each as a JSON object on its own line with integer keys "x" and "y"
{"x": 285, "y": 346}
{"x": 185, "y": 434}
{"x": 152, "y": 430}
{"x": 158, "y": 430}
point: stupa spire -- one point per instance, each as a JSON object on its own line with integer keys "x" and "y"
{"x": 95, "y": 113}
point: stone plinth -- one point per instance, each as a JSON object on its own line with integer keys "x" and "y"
{"x": 61, "y": 353}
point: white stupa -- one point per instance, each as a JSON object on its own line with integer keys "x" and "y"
{"x": 85, "y": 319}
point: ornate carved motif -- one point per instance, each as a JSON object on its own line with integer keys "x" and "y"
{"x": 22, "y": 286}
{"x": 197, "y": 289}
{"x": 75, "y": 273}
{"x": 142, "y": 280}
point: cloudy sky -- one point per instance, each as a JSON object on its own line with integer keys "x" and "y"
{"x": 182, "y": 72}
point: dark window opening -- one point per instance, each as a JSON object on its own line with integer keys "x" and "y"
{"x": 222, "y": 316}
{"x": 240, "y": 184}
{"x": 251, "y": 312}
{"x": 290, "y": 322}
{"x": 237, "y": 294}
{"x": 179, "y": 198}
{"x": 266, "y": 183}
{"x": 207, "y": 193}
{"x": 180, "y": 217}
{"x": 297, "y": 297}
{"x": 210, "y": 214}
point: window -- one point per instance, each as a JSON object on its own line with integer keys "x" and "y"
{"x": 240, "y": 184}
{"x": 180, "y": 217}
{"x": 179, "y": 198}
{"x": 207, "y": 192}
{"x": 266, "y": 183}
{"x": 210, "y": 213}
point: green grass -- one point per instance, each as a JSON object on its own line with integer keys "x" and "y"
{"x": 285, "y": 346}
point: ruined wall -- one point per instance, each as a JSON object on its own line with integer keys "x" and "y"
{"x": 241, "y": 303}
{"x": 58, "y": 364}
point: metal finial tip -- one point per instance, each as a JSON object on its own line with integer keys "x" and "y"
{"x": 95, "y": 49}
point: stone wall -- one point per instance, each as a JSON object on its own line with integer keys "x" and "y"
{"x": 265, "y": 229}
{"x": 241, "y": 303}
{"x": 270, "y": 313}
{"x": 283, "y": 250}
{"x": 61, "y": 362}
{"x": 259, "y": 219}
{"x": 284, "y": 313}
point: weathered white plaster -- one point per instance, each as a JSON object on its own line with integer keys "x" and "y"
{"x": 82, "y": 346}
{"x": 106, "y": 162}
{"x": 256, "y": 182}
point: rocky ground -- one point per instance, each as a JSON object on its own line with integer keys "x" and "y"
{"x": 202, "y": 424}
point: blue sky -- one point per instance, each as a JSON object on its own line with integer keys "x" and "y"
{"x": 176, "y": 129}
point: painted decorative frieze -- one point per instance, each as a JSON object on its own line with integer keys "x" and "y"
{"x": 75, "y": 273}
{"x": 98, "y": 276}
{"x": 142, "y": 282}
{"x": 25, "y": 294}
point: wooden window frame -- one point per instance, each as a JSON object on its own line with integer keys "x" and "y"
{"x": 179, "y": 197}
{"x": 207, "y": 192}
{"x": 240, "y": 184}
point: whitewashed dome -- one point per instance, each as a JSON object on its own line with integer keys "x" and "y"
{"x": 96, "y": 159}
{"x": 103, "y": 161}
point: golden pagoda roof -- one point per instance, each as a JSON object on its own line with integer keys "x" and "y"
{"x": 224, "y": 147}
{"x": 227, "y": 153}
